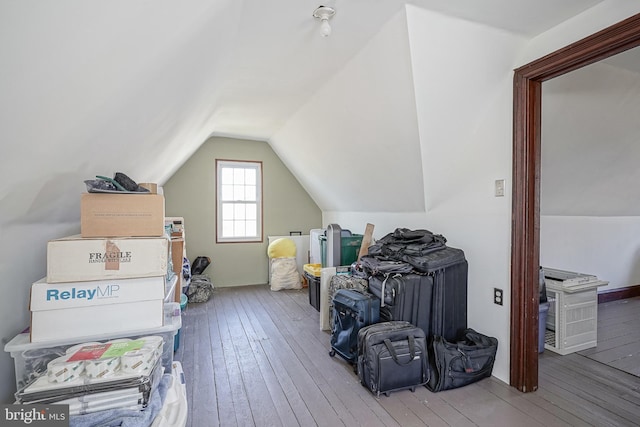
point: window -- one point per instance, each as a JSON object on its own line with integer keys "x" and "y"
{"x": 239, "y": 201}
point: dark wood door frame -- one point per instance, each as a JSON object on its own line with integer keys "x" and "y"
{"x": 525, "y": 218}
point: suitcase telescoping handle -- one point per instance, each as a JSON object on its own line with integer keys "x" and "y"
{"x": 392, "y": 350}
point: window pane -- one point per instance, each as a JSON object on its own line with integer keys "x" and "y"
{"x": 227, "y": 211}
{"x": 226, "y": 175}
{"x": 238, "y": 228}
{"x": 252, "y": 229}
{"x": 238, "y": 192}
{"x": 250, "y": 193}
{"x": 227, "y": 192}
{"x": 238, "y": 176}
{"x": 250, "y": 177}
{"x": 251, "y": 211}
{"x": 239, "y": 212}
{"x": 227, "y": 228}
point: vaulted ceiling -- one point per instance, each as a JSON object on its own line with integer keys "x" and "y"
{"x": 137, "y": 86}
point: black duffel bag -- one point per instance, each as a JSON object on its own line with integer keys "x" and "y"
{"x": 408, "y": 246}
{"x": 372, "y": 265}
{"x": 461, "y": 363}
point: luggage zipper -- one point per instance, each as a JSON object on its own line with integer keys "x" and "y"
{"x": 442, "y": 267}
{"x": 384, "y": 284}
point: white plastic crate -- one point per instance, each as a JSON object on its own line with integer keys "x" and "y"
{"x": 30, "y": 359}
{"x": 572, "y": 320}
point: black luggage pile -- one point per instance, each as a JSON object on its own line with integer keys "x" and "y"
{"x": 427, "y": 284}
{"x": 422, "y": 338}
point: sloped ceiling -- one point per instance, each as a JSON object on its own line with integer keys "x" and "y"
{"x": 358, "y": 134}
{"x": 136, "y": 86}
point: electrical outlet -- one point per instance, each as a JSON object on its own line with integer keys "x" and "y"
{"x": 497, "y": 296}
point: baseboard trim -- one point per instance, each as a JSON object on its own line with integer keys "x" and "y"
{"x": 620, "y": 293}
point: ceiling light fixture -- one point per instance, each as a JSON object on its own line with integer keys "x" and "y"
{"x": 324, "y": 13}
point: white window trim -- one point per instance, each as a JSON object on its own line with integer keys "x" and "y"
{"x": 257, "y": 165}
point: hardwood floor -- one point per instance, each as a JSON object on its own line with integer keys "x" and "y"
{"x": 253, "y": 357}
{"x": 618, "y": 335}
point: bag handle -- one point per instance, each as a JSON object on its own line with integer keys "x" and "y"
{"x": 392, "y": 350}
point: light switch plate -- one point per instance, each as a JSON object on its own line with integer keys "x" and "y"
{"x": 499, "y": 187}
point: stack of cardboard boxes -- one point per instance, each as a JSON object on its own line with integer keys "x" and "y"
{"x": 99, "y": 319}
{"x": 109, "y": 279}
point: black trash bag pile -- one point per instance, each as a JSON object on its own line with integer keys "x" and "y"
{"x": 199, "y": 265}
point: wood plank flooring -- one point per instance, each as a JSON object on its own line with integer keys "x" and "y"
{"x": 618, "y": 335}
{"x": 253, "y": 357}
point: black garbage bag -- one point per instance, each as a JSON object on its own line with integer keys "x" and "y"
{"x": 199, "y": 265}
{"x": 542, "y": 286}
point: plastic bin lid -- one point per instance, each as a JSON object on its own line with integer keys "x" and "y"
{"x": 22, "y": 341}
{"x": 313, "y": 269}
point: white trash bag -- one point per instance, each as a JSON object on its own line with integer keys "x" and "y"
{"x": 284, "y": 274}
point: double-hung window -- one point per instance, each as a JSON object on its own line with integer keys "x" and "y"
{"x": 239, "y": 201}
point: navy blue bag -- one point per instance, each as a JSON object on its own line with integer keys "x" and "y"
{"x": 352, "y": 310}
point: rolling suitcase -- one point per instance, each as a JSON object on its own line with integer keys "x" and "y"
{"x": 352, "y": 310}
{"x": 406, "y": 297}
{"x": 345, "y": 281}
{"x": 435, "y": 301}
{"x": 392, "y": 356}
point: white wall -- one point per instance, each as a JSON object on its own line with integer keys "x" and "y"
{"x": 590, "y": 135}
{"x": 608, "y": 247}
{"x": 463, "y": 88}
{"x": 90, "y": 89}
{"x": 589, "y": 171}
{"x": 463, "y": 103}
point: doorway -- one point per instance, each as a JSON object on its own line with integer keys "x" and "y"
{"x": 525, "y": 217}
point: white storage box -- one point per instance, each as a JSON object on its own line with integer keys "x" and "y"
{"x": 31, "y": 358}
{"x": 78, "y": 259}
{"x": 81, "y": 309}
{"x": 572, "y": 319}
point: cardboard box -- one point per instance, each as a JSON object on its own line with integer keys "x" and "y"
{"x": 82, "y": 309}
{"x": 177, "y": 258}
{"x": 121, "y": 215}
{"x": 78, "y": 259}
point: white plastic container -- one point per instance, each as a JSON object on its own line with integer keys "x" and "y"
{"x": 30, "y": 359}
{"x": 175, "y": 408}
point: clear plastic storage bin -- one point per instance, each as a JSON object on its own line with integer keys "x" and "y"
{"x": 30, "y": 359}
